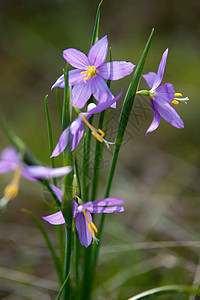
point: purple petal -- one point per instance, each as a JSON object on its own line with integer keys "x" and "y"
{"x": 6, "y": 166}
{"x": 27, "y": 175}
{"x": 76, "y": 58}
{"x": 104, "y": 103}
{"x": 76, "y": 137}
{"x": 10, "y": 154}
{"x": 57, "y": 192}
{"x": 156, "y": 120}
{"x": 62, "y": 143}
{"x": 75, "y": 76}
{"x": 164, "y": 93}
{"x": 115, "y": 70}
{"x": 81, "y": 92}
{"x": 98, "y": 53}
{"x": 150, "y": 78}
{"x": 55, "y": 219}
{"x": 100, "y": 87}
{"x": 101, "y": 209}
{"x": 76, "y": 129}
{"x": 85, "y": 236}
{"x": 161, "y": 70}
{"x": 60, "y": 82}
{"x": 169, "y": 114}
{"x": 40, "y": 172}
{"x": 108, "y": 202}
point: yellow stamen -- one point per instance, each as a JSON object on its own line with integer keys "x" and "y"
{"x": 92, "y": 228}
{"x": 178, "y": 95}
{"x": 11, "y": 190}
{"x": 97, "y": 133}
{"x": 91, "y": 71}
{"x": 175, "y": 102}
{"x": 101, "y": 132}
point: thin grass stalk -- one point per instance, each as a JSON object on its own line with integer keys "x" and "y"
{"x": 67, "y": 203}
{"x": 58, "y": 102}
{"x": 124, "y": 116}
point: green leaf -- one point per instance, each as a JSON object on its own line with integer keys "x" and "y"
{"x": 50, "y": 136}
{"x": 62, "y": 287}
{"x": 96, "y": 25}
{"x": 166, "y": 289}
{"x": 48, "y": 242}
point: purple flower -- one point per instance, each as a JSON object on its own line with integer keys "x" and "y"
{"x": 88, "y": 77}
{"x": 85, "y": 227}
{"x": 73, "y": 133}
{"x": 10, "y": 161}
{"x": 161, "y": 96}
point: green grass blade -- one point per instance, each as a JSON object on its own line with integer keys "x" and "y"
{"x": 50, "y": 136}
{"x": 96, "y": 25}
{"x": 166, "y": 289}
{"x": 58, "y": 101}
{"x": 62, "y": 287}
{"x": 48, "y": 243}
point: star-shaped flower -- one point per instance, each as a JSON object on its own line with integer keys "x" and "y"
{"x": 88, "y": 77}
{"x": 161, "y": 96}
{"x": 10, "y": 161}
{"x": 82, "y": 212}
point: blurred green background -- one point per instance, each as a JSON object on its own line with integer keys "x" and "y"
{"x": 158, "y": 175}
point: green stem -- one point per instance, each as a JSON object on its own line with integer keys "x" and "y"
{"x": 58, "y": 101}
{"x": 50, "y": 136}
{"x": 62, "y": 287}
{"x": 67, "y": 203}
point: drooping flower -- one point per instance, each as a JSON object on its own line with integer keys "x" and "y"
{"x": 82, "y": 212}
{"x": 10, "y": 161}
{"x": 161, "y": 96}
{"x": 88, "y": 77}
{"x": 73, "y": 133}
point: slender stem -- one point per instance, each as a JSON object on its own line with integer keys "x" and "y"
{"x": 67, "y": 203}
{"x": 58, "y": 101}
{"x": 50, "y": 136}
{"x": 76, "y": 264}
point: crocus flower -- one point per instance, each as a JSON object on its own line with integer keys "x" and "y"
{"x": 161, "y": 96}
{"x": 10, "y": 161}
{"x": 88, "y": 77}
{"x": 82, "y": 213}
{"x": 74, "y": 132}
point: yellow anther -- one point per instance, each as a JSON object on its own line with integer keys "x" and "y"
{"x": 11, "y": 191}
{"x": 175, "y": 102}
{"x": 91, "y": 71}
{"x": 101, "y": 132}
{"x": 94, "y": 227}
{"x": 97, "y": 136}
{"x": 178, "y": 95}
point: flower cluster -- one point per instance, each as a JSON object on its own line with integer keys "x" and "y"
{"x": 87, "y": 79}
